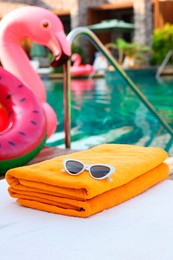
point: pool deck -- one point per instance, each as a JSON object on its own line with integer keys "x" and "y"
{"x": 167, "y": 71}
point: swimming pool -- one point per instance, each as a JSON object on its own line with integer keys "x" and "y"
{"x": 107, "y": 111}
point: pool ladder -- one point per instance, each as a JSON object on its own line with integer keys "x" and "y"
{"x": 164, "y": 63}
{"x": 67, "y": 93}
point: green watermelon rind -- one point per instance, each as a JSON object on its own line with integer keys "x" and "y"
{"x": 5, "y": 165}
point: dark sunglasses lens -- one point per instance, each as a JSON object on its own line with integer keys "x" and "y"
{"x": 99, "y": 171}
{"x": 74, "y": 167}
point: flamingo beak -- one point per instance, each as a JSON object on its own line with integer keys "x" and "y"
{"x": 60, "y": 47}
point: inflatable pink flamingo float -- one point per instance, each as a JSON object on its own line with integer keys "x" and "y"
{"x": 42, "y": 27}
{"x": 26, "y": 119}
{"x": 79, "y": 69}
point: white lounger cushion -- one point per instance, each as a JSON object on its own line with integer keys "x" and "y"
{"x": 141, "y": 228}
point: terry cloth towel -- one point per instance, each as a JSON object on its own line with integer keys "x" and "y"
{"x": 44, "y": 186}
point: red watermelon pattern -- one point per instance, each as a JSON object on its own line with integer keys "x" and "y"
{"x": 27, "y": 126}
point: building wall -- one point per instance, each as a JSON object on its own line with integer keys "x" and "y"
{"x": 83, "y": 7}
{"x": 143, "y": 21}
{"x": 78, "y": 12}
{"x": 142, "y": 18}
{"x": 118, "y": 1}
{"x": 142, "y": 12}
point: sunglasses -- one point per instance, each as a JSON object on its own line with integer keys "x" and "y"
{"x": 97, "y": 171}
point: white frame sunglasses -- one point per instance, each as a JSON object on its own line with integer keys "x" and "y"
{"x": 97, "y": 171}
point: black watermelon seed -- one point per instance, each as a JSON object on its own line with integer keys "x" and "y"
{"x": 35, "y": 111}
{"x": 11, "y": 143}
{"x": 0, "y": 77}
{"x": 20, "y": 86}
{"x": 8, "y": 96}
{"x": 21, "y": 133}
{"x": 33, "y": 122}
{"x": 22, "y": 99}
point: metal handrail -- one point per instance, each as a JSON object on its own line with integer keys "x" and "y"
{"x": 163, "y": 64}
{"x": 67, "y": 95}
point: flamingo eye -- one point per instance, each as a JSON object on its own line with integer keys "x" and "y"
{"x": 45, "y": 24}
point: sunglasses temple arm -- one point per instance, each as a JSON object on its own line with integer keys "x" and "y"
{"x": 109, "y": 179}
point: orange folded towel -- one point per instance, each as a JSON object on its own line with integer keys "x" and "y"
{"x": 45, "y": 187}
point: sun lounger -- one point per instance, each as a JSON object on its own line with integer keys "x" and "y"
{"x": 140, "y": 228}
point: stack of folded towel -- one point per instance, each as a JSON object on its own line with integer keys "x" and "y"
{"x": 44, "y": 186}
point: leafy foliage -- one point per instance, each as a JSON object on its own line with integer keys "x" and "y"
{"x": 131, "y": 49}
{"x": 162, "y": 42}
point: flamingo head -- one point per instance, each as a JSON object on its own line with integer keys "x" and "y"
{"x": 42, "y": 27}
{"x": 76, "y": 59}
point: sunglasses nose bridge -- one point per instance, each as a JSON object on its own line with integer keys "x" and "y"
{"x": 87, "y": 167}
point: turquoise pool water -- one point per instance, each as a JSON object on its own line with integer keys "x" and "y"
{"x": 107, "y": 111}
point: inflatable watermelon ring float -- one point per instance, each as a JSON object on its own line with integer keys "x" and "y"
{"x": 24, "y": 131}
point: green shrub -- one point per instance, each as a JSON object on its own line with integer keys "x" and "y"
{"x": 138, "y": 52}
{"x": 162, "y": 42}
